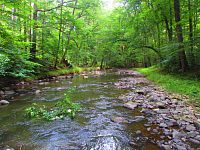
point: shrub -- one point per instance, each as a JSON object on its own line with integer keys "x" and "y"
{"x": 62, "y": 109}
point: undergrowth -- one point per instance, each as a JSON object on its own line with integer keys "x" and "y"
{"x": 63, "y": 108}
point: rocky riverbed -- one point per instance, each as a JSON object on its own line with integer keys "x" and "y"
{"x": 168, "y": 115}
{"x": 7, "y": 93}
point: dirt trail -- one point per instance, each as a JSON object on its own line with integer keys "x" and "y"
{"x": 168, "y": 115}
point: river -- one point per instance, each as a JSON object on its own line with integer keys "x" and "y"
{"x": 92, "y": 128}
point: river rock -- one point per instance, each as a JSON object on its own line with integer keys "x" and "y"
{"x": 194, "y": 141}
{"x": 43, "y": 83}
{"x": 141, "y": 92}
{"x": 139, "y": 118}
{"x": 4, "y": 102}
{"x": 61, "y": 77}
{"x": 180, "y": 147}
{"x": 197, "y": 137}
{"x": 6, "y": 147}
{"x": 130, "y": 105}
{"x": 11, "y": 92}
{"x": 132, "y": 143}
{"x": 171, "y": 122}
{"x": 197, "y": 125}
{"x": 138, "y": 132}
{"x": 2, "y": 93}
{"x": 163, "y": 125}
{"x": 85, "y": 77}
{"x": 192, "y": 134}
{"x": 190, "y": 128}
{"x": 176, "y": 134}
{"x": 22, "y": 91}
{"x": 119, "y": 120}
{"x": 37, "y": 91}
{"x": 148, "y": 112}
{"x": 160, "y": 105}
{"x": 166, "y": 147}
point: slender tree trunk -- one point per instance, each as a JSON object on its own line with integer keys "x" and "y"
{"x": 101, "y": 65}
{"x": 69, "y": 35}
{"x": 59, "y": 34}
{"x": 170, "y": 22}
{"x": 168, "y": 28}
{"x": 192, "y": 59}
{"x": 30, "y": 29}
{"x": 34, "y": 35}
{"x": 42, "y": 42}
{"x": 182, "y": 55}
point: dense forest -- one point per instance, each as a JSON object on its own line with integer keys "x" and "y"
{"x": 100, "y": 74}
{"x": 42, "y": 35}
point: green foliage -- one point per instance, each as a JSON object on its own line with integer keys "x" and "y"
{"x": 4, "y": 64}
{"x": 137, "y": 33}
{"x": 69, "y": 70}
{"x": 62, "y": 109}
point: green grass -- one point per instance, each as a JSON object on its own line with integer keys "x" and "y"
{"x": 181, "y": 84}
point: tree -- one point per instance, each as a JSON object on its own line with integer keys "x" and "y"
{"x": 182, "y": 55}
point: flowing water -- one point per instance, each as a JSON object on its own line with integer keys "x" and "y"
{"x": 91, "y": 129}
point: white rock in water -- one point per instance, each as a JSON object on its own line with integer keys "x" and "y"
{"x": 4, "y": 102}
{"x": 85, "y": 77}
{"x": 37, "y": 92}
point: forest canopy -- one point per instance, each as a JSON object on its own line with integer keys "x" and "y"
{"x": 42, "y": 35}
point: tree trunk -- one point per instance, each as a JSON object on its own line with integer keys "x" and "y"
{"x": 182, "y": 55}
{"x": 59, "y": 34}
{"x": 191, "y": 54}
{"x": 170, "y": 22}
{"x": 69, "y": 35}
{"x": 34, "y": 37}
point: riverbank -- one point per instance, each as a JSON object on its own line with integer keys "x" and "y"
{"x": 171, "y": 122}
{"x": 180, "y": 84}
{"x": 11, "y": 87}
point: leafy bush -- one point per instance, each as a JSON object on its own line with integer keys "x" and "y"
{"x": 4, "y": 64}
{"x": 63, "y": 108}
{"x": 23, "y": 68}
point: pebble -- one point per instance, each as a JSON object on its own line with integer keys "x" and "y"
{"x": 4, "y": 102}
{"x": 194, "y": 141}
{"x": 166, "y": 147}
{"x": 119, "y": 120}
{"x": 138, "y": 132}
{"x": 11, "y": 92}
{"x": 190, "y": 128}
{"x": 37, "y": 91}
{"x": 130, "y": 105}
{"x": 163, "y": 125}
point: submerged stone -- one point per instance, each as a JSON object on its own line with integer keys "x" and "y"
{"x": 4, "y": 102}
{"x": 131, "y": 105}
{"x": 119, "y": 120}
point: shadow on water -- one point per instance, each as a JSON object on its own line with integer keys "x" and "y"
{"x": 91, "y": 129}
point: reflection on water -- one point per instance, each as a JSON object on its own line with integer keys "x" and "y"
{"x": 91, "y": 129}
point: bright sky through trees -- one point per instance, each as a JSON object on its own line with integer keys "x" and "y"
{"x": 108, "y": 4}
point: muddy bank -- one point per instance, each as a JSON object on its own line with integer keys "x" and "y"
{"x": 168, "y": 116}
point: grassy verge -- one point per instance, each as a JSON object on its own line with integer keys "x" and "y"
{"x": 181, "y": 84}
